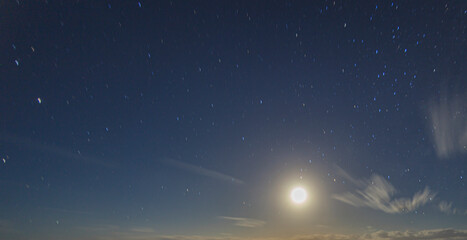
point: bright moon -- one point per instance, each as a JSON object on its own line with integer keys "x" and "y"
{"x": 298, "y": 195}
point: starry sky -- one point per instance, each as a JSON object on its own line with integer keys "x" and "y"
{"x": 177, "y": 120}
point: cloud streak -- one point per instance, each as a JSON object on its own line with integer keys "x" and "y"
{"x": 435, "y": 234}
{"x": 244, "y": 222}
{"x": 201, "y": 171}
{"x": 378, "y": 194}
{"x": 449, "y": 125}
{"x": 55, "y": 150}
{"x": 446, "y": 207}
{"x": 66, "y": 211}
{"x": 431, "y": 234}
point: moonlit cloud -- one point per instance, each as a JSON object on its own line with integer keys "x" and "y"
{"x": 435, "y": 234}
{"x": 378, "y": 194}
{"x": 142, "y": 230}
{"x": 202, "y": 171}
{"x": 432, "y": 234}
{"x": 62, "y": 153}
{"x": 67, "y": 211}
{"x": 342, "y": 173}
{"x": 244, "y": 222}
{"x": 449, "y": 125}
{"x": 114, "y": 232}
{"x": 446, "y": 207}
{"x": 98, "y": 228}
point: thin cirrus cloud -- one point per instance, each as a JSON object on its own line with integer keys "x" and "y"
{"x": 65, "y": 211}
{"x": 447, "y": 208}
{"x": 432, "y": 234}
{"x": 244, "y": 222}
{"x": 377, "y": 193}
{"x": 435, "y": 234}
{"x": 449, "y": 125}
{"x": 62, "y": 153}
{"x": 201, "y": 171}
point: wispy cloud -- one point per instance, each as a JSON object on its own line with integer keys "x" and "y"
{"x": 143, "y": 230}
{"x": 433, "y": 234}
{"x": 114, "y": 232}
{"x": 55, "y": 150}
{"x": 446, "y": 207}
{"x": 201, "y": 171}
{"x": 377, "y": 193}
{"x": 449, "y": 125}
{"x": 342, "y": 173}
{"x": 244, "y": 222}
{"x": 98, "y": 228}
{"x": 66, "y": 211}
{"x": 194, "y": 237}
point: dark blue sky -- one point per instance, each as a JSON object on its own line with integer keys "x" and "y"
{"x": 194, "y": 120}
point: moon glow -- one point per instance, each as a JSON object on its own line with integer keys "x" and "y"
{"x": 298, "y": 195}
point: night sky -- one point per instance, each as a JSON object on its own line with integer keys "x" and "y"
{"x": 194, "y": 120}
